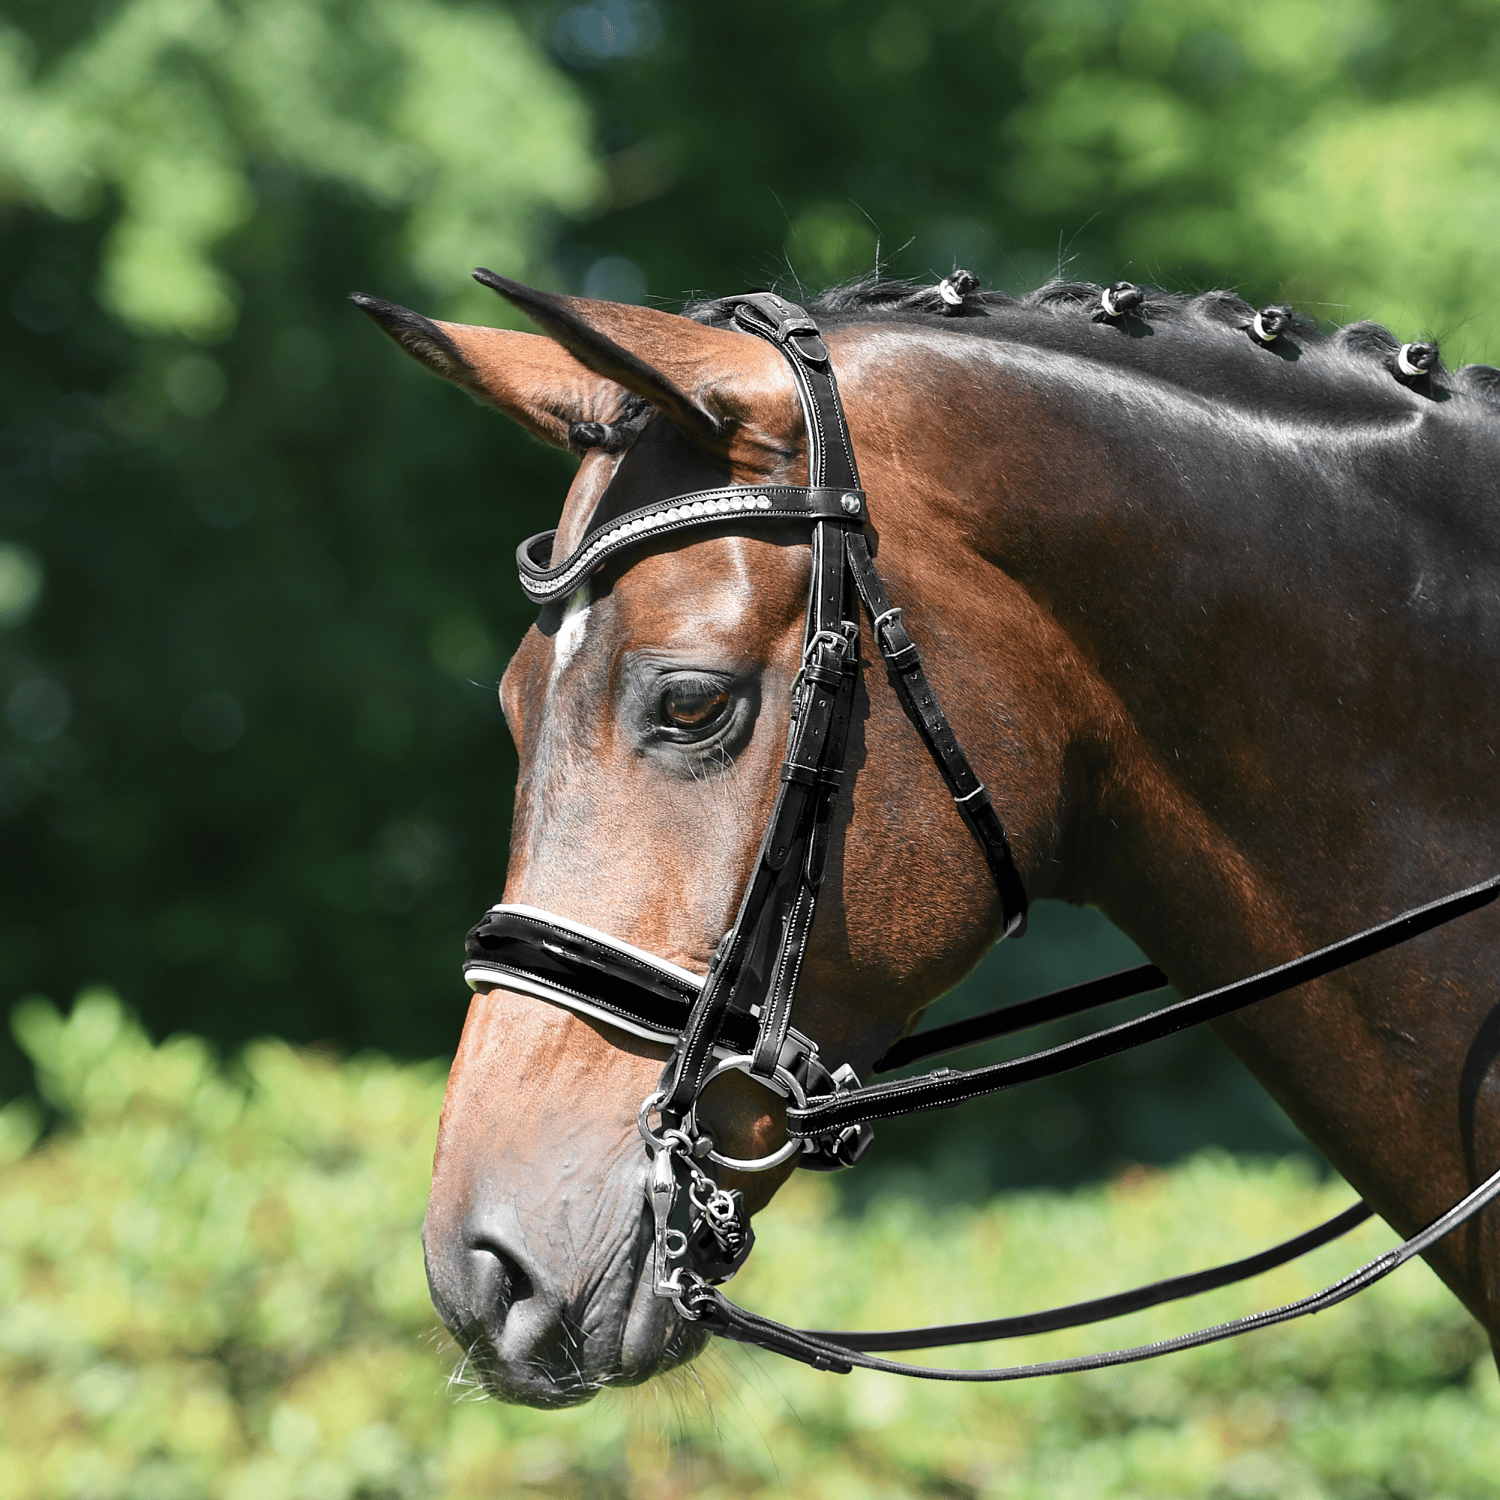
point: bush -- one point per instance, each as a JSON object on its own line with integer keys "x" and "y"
{"x": 214, "y": 1287}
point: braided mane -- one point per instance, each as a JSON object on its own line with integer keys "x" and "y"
{"x": 1206, "y": 336}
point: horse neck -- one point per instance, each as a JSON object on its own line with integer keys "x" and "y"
{"x": 1286, "y": 634}
{"x": 1278, "y": 640}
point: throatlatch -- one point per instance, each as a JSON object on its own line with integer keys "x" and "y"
{"x": 739, "y": 1015}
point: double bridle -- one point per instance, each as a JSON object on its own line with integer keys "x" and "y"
{"x": 739, "y": 1015}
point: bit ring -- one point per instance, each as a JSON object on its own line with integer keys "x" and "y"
{"x": 781, "y": 1082}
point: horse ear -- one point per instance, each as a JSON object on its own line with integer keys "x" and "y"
{"x": 674, "y": 362}
{"x": 526, "y": 376}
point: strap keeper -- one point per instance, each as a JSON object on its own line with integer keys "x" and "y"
{"x": 780, "y": 320}
{"x": 792, "y": 770}
{"x": 973, "y": 801}
{"x": 896, "y": 646}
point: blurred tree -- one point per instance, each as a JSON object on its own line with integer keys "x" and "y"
{"x": 252, "y": 766}
{"x": 178, "y": 112}
{"x": 255, "y": 577}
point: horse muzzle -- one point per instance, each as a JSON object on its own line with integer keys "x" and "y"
{"x": 541, "y": 1325}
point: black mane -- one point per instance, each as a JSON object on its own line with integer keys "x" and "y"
{"x": 1202, "y": 341}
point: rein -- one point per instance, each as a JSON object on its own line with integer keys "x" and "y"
{"x": 739, "y": 1015}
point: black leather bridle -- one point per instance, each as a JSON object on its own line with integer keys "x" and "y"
{"x": 739, "y": 1016}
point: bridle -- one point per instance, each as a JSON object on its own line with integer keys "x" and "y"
{"x": 739, "y": 1015}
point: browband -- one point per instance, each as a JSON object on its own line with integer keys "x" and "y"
{"x": 545, "y": 584}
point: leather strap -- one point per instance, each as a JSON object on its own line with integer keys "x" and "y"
{"x": 760, "y": 961}
{"x": 817, "y": 738}
{"x": 969, "y": 794}
{"x": 830, "y": 452}
{"x": 1101, "y": 1309}
{"x": 944, "y": 1087}
{"x": 815, "y": 763}
{"x": 1022, "y": 1016}
{"x": 829, "y": 1352}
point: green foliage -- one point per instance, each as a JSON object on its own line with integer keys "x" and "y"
{"x": 212, "y": 1285}
{"x": 1347, "y": 151}
{"x": 248, "y": 643}
{"x": 1341, "y": 153}
{"x": 446, "y": 114}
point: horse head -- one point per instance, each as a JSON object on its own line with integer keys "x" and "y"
{"x": 650, "y": 713}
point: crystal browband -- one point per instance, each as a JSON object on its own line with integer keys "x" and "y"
{"x": 545, "y": 584}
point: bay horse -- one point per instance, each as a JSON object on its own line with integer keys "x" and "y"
{"x": 1213, "y": 601}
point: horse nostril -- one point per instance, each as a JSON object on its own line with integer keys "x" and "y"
{"x": 497, "y": 1281}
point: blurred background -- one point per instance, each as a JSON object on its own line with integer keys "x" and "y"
{"x": 256, "y": 581}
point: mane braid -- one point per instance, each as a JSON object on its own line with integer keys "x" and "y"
{"x": 1200, "y": 337}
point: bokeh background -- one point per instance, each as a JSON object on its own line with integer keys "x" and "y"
{"x": 256, "y": 587}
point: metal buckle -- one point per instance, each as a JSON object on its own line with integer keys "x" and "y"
{"x": 877, "y": 625}
{"x": 840, "y": 642}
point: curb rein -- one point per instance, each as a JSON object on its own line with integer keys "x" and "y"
{"x": 739, "y": 1016}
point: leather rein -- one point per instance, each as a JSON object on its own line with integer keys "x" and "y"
{"x": 739, "y": 1015}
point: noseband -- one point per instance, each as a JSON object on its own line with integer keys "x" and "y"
{"x": 739, "y": 1015}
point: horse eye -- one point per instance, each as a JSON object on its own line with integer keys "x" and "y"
{"x": 693, "y": 705}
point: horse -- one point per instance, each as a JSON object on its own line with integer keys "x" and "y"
{"x": 1213, "y": 601}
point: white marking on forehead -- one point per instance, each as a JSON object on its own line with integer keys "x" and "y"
{"x": 740, "y": 562}
{"x": 570, "y": 633}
